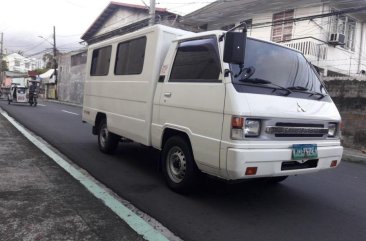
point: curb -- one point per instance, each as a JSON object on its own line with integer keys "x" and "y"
{"x": 354, "y": 158}
{"x": 351, "y": 155}
{"x": 62, "y": 102}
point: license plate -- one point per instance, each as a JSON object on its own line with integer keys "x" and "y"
{"x": 304, "y": 151}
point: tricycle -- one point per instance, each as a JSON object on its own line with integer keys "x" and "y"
{"x": 23, "y": 94}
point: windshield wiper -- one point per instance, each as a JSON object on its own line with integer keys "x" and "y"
{"x": 259, "y": 81}
{"x": 307, "y": 91}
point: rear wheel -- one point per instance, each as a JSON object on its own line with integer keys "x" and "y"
{"x": 179, "y": 168}
{"x": 107, "y": 141}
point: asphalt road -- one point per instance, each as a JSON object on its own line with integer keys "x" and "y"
{"x": 329, "y": 205}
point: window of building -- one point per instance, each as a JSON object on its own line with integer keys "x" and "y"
{"x": 27, "y": 65}
{"x": 344, "y": 25}
{"x": 100, "y": 61}
{"x": 130, "y": 57}
{"x": 196, "y": 61}
{"x": 17, "y": 63}
{"x": 78, "y": 59}
{"x": 282, "y": 30}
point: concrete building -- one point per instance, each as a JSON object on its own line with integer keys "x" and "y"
{"x": 334, "y": 43}
{"x": 19, "y": 63}
{"x": 71, "y": 76}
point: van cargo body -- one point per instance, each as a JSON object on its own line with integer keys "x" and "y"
{"x": 268, "y": 116}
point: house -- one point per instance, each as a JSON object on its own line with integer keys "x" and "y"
{"x": 331, "y": 34}
{"x": 19, "y": 63}
{"x": 121, "y": 18}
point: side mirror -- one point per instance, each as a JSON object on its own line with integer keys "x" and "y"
{"x": 234, "y": 49}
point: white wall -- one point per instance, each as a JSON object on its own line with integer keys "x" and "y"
{"x": 25, "y": 64}
{"x": 120, "y": 18}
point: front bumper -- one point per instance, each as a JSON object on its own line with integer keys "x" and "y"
{"x": 269, "y": 162}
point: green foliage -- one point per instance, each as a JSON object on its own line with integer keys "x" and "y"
{"x": 48, "y": 59}
{"x": 41, "y": 71}
{"x": 4, "y": 66}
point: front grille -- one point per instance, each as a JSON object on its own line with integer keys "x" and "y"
{"x": 294, "y": 165}
{"x": 297, "y": 130}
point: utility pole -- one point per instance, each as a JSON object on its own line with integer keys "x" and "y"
{"x": 1, "y": 57}
{"x": 54, "y": 51}
{"x": 54, "y": 59}
{"x": 152, "y": 13}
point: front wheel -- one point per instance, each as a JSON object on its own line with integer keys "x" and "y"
{"x": 179, "y": 168}
{"x": 107, "y": 141}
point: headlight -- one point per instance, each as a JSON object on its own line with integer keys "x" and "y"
{"x": 241, "y": 128}
{"x": 332, "y": 129}
{"x": 252, "y": 128}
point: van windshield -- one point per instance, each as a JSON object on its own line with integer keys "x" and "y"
{"x": 275, "y": 70}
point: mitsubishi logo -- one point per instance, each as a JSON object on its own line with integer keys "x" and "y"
{"x": 299, "y": 108}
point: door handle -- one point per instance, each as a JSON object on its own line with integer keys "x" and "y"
{"x": 167, "y": 94}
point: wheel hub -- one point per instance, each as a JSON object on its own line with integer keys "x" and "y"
{"x": 176, "y": 164}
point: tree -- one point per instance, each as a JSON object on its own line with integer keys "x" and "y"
{"x": 48, "y": 59}
{"x": 4, "y": 65}
{"x": 40, "y": 71}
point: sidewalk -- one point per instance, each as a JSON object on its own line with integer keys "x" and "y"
{"x": 353, "y": 155}
{"x": 40, "y": 201}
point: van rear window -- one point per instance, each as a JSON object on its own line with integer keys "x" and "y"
{"x": 130, "y": 57}
{"x": 100, "y": 61}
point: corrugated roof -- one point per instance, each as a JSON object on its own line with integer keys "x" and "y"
{"x": 247, "y": 9}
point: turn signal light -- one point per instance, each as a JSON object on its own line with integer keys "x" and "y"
{"x": 333, "y": 163}
{"x": 237, "y": 122}
{"x": 251, "y": 171}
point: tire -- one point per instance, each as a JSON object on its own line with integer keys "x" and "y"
{"x": 179, "y": 168}
{"x": 107, "y": 141}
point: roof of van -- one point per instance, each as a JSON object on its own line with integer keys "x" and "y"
{"x": 156, "y": 27}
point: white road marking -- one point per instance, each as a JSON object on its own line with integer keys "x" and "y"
{"x": 41, "y": 105}
{"x": 142, "y": 223}
{"x": 69, "y": 112}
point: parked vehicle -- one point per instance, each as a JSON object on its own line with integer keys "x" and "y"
{"x": 214, "y": 102}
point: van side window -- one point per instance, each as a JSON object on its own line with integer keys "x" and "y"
{"x": 196, "y": 61}
{"x": 100, "y": 61}
{"x": 130, "y": 57}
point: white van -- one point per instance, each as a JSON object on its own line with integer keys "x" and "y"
{"x": 213, "y": 102}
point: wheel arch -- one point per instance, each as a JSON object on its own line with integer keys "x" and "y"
{"x": 98, "y": 118}
{"x": 169, "y": 132}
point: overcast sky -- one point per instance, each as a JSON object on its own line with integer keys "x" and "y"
{"x": 22, "y": 21}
